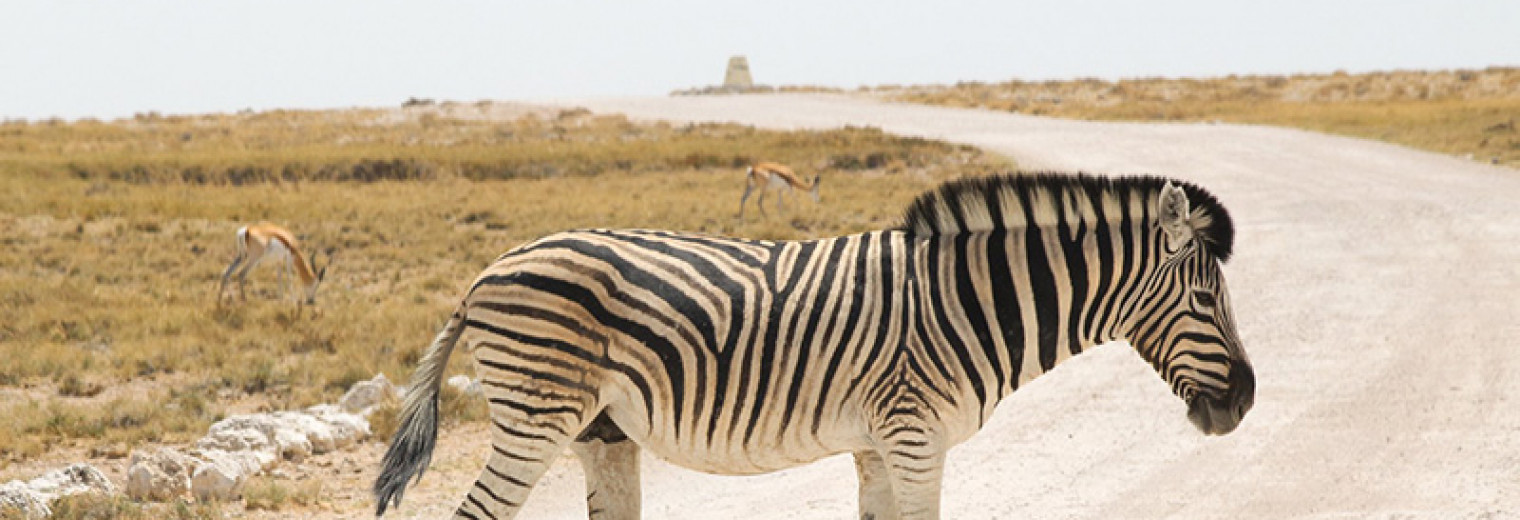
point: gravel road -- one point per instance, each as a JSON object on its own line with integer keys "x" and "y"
{"x": 1377, "y": 291}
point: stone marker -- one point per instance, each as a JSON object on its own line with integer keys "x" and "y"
{"x": 737, "y": 78}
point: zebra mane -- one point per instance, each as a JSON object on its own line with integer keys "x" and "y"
{"x": 1011, "y": 201}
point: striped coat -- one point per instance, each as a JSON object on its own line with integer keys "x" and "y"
{"x": 741, "y": 357}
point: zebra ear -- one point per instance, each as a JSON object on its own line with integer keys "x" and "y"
{"x": 1172, "y": 209}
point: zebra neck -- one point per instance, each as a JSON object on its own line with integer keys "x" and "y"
{"x": 1010, "y": 304}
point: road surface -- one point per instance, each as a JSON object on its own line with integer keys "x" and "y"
{"x": 1376, "y": 288}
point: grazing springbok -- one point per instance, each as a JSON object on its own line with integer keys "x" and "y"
{"x": 773, "y": 176}
{"x": 265, "y": 241}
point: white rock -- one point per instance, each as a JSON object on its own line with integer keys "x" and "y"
{"x": 290, "y": 435}
{"x": 292, "y": 444}
{"x": 264, "y": 437}
{"x": 241, "y": 446}
{"x": 240, "y": 432}
{"x": 159, "y": 475}
{"x": 317, "y": 433}
{"x": 15, "y": 496}
{"x": 347, "y": 428}
{"x": 33, "y": 498}
{"x": 252, "y": 448}
{"x": 366, "y": 394}
{"x": 322, "y": 440}
{"x": 77, "y": 478}
{"x": 219, "y": 477}
{"x": 464, "y": 384}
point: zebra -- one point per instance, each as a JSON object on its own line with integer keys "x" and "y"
{"x": 741, "y": 357}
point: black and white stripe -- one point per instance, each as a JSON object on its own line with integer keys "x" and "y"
{"x": 741, "y": 357}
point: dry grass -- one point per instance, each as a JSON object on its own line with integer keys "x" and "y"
{"x": 420, "y": 143}
{"x": 95, "y": 506}
{"x": 274, "y": 494}
{"x": 115, "y": 234}
{"x": 34, "y": 425}
{"x": 1457, "y": 112}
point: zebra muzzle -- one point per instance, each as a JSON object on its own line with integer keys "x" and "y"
{"x": 1214, "y": 416}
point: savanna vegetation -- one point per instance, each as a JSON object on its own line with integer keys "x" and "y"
{"x": 1461, "y": 112}
{"x": 115, "y": 236}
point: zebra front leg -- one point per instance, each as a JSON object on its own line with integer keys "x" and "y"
{"x": 916, "y": 474}
{"x": 611, "y": 463}
{"x": 876, "y": 500}
{"x": 915, "y": 462}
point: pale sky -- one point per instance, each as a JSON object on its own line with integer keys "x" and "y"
{"x": 111, "y": 59}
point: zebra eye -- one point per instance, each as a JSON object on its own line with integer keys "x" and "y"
{"x": 1204, "y": 299}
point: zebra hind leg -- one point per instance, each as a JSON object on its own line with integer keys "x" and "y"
{"x": 876, "y": 500}
{"x": 527, "y": 435}
{"x": 611, "y": 462}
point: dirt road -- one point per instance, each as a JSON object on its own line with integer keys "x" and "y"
{"x": 1377, "y": 290}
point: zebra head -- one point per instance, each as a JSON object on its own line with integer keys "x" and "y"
{"x": 1184, "y": 327}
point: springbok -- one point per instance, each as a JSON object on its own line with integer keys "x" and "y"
{"x": 773, "y": 176}
{"x": 263, "y": 241}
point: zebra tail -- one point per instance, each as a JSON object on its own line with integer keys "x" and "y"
{"x": 411, "y": 448}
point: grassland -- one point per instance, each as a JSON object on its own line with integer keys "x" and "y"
{"x": 1463, "y": 112}
{"x": 115, "y": 235}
